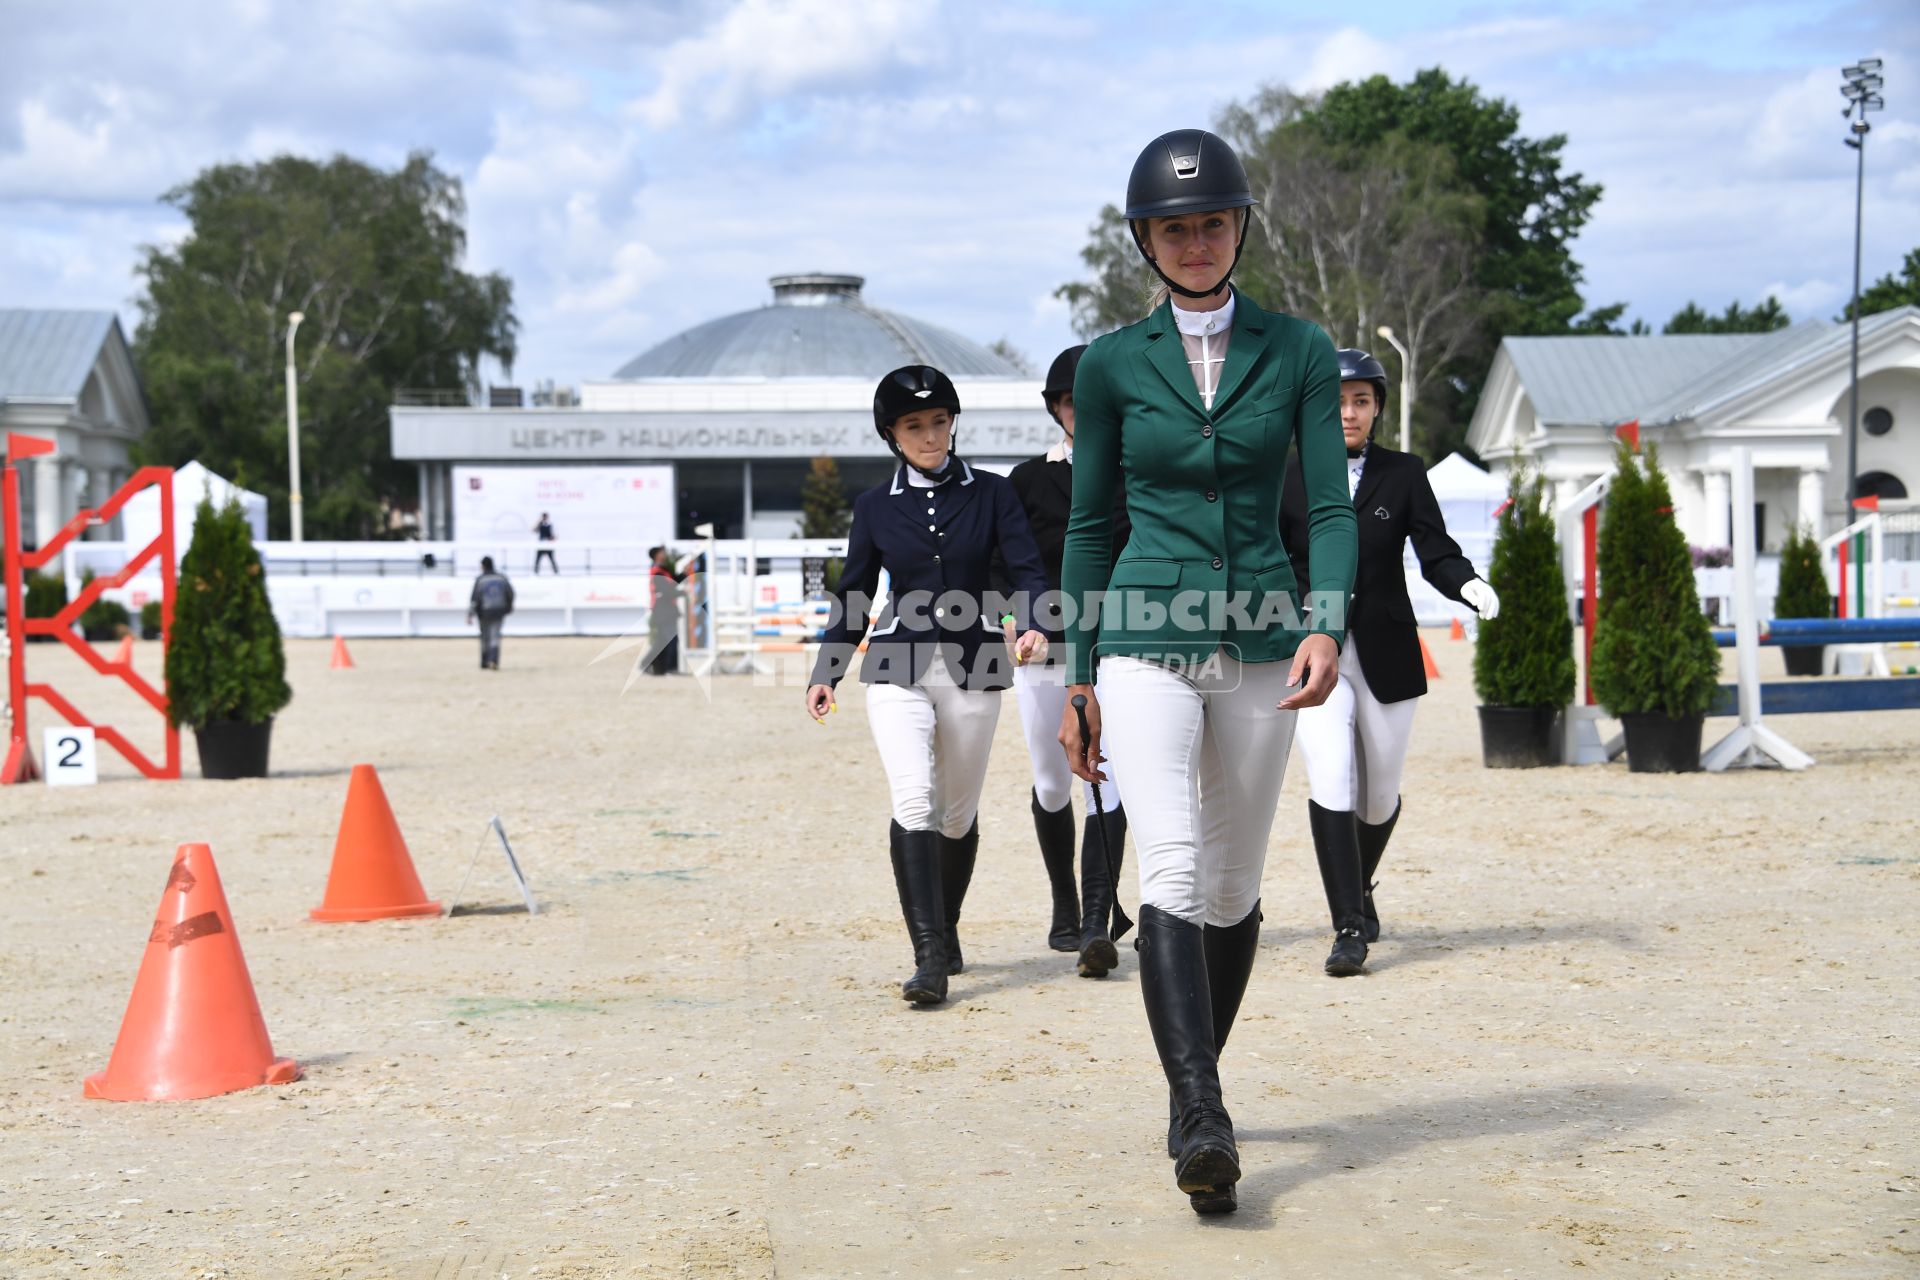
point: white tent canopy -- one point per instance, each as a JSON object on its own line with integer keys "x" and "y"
{"x": 140, "y": 518}
{"x": 1468, "y": 497}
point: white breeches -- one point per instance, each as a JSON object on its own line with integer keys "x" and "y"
{"x": 1203, "y": 755}
{"x": 1042, "y": 692}
{"x": 1355, "y": 746}
{"x": 933, "y": 739}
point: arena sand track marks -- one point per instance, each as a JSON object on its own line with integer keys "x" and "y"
{"x": 1656, "y": 1027}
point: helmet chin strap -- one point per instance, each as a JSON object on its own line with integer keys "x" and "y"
{"x": 953, "y": 456}
{"x": 1245, "y": 222}
{"x": 1374, "y": 426}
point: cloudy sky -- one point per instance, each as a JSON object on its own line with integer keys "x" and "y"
{"x": 637, "y": 166}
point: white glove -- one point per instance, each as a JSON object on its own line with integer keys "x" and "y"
{"x": 1479, "y": 593}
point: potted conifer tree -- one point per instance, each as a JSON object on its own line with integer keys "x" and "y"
{"x": 1802, "y": 594}
{"x": 1655, "y": 663}
{"x": 226, "y": 667}
{"x": 1523, "y": 657}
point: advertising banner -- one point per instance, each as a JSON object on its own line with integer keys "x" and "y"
{"x": 585, "y": 504}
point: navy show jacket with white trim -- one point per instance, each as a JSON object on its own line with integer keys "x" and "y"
{"x": 937, "y": 546}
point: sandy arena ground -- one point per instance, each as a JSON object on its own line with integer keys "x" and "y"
{"x": 1620, "y": 1025}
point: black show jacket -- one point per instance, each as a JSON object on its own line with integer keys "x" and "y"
{"x": 1045, "y": 488}
{"x": 932, "y": 543}
{"x": 1394, "y": 503}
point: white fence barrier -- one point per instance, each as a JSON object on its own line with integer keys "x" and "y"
{"x": 421, "y": 588}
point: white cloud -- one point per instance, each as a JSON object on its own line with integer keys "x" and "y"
{"x": 1809, "y": 298}
{"x": 1351, "y": 54}
{"x": 633, "y": 267}
{"x": 639, "y": 167}
{"x": 1799, "y": 123}
{"x": 766, "y": 49}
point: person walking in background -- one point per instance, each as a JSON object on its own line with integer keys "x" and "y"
{"x": 1355, "y": 743}
{"x": 491, "y": 602}
{"x": 544, "y": 531}
{"x": 1080, "y": 917}
{"x": 1190, "y": 412}
{"x": 663, "y": 619}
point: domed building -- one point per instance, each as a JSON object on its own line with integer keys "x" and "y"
{"x": 816, "y": 327}
{"x": 739, "y": 407}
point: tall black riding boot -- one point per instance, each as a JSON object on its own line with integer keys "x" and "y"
{"x": 916, "y": 874}
{"x": 1373, "y": 845}
{"x": 1055, "y": 830}
{"x": 956, "y": 873}
{"x": 1098, "y": 956}
{"x": 1230, "y": 951}
{"x": 1173, "y": 983}
{"x": 1336, "y": 841}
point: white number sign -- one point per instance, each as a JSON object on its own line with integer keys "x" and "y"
{"x": 70, "y": 757}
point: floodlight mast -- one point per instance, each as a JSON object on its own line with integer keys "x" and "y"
{"x": 1861, "y": 85}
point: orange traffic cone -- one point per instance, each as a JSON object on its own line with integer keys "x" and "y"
{"x": 341, "y": 658}
{"x": 125, "y": 652}
{"x": 193, "y": 1027}
{"x": 1426, "y": 659}
{"x": 1458, "y": 632}
{"x": 373, "y": 876}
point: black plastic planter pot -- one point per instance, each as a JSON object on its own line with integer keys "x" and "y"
{"x": 1659, "y": 744}
{"x": 1804, "y": 659}
{"x": 231, "y": 749}
{"x": 1518, "y": 737}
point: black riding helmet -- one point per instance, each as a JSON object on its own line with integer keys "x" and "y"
{"x": 1060, "y": 378}
{"x": 1358, "y": 366}
{"x": 1187, "y": 171}
{"x": 909, "y": 389}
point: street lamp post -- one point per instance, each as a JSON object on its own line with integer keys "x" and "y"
{"x": 293, "y": 428}
{"x": 1406, "y": 391}
{"x": 1861, "y": 88}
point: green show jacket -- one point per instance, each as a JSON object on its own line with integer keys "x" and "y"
{"x": 1205, "y": 569}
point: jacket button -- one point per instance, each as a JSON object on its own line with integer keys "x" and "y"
{"x": 1206, "y": 432}
{"x": 1212, "y": 496}
{"x": 1217, "y": 562}
{"x": 936, "y": 559}
{"x": 929, "y": 510}
{"x": 929, "y": 528}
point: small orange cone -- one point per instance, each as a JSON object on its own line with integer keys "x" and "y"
{"x": 1426, "y": 658}
{"x": 193, "y": 1027}
{"x": 341, "y": 658}
{"x": 373, "y": 876}
{"x": 1458, "y": 633}
{"x": 125, "y": 652}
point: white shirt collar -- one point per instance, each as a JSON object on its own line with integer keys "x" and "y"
{"x": 915, "y": 480}
{"x": 1199, "y": 323}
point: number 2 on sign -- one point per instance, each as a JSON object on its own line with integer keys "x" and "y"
{"x": 72, "y": 760}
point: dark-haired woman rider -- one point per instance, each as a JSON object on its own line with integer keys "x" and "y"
{"x": 1082, "y": 915}
{"x": 1355, "y": 743}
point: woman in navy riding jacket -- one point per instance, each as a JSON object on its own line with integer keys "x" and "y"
{"x": 937, "y": 658}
